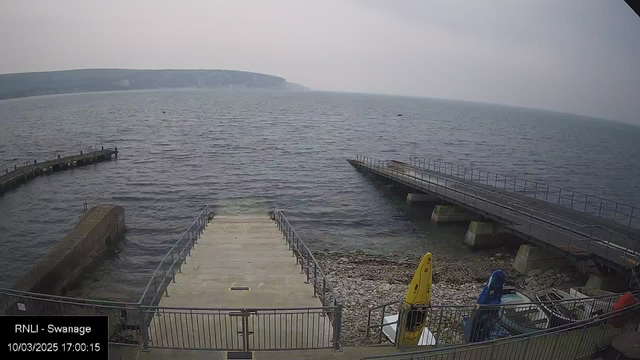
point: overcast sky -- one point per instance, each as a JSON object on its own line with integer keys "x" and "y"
{"x": 578, "y": 56}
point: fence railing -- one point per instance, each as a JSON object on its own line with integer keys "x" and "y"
{"x": 462, "y": 324}
{"x": 621, "y": 213}
{"x": 574, "y": 238}
{"x": 313, "y": 271}
{"x": 568, "y": 342}
{"x": 125, "y": 319}
{"x": 148, "y": 325}
{"x": 304, "y": 257}
{"x": 171, "y": 263}
{"x": 230, "y": 329}
{"x": 244, "y": 330}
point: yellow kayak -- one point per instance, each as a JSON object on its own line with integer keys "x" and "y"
{"x": 418, "y": 297}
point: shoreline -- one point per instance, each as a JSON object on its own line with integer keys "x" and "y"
{"x": 362, "y": 280}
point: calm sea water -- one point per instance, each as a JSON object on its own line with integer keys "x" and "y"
{"x": 182, "y": 149}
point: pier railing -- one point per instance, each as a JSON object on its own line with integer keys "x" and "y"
{"x": 568, "y": 342}
{"x": 243, "y": 329}
{"x": 451, "y": 325}
{"x": 230, "y": 329}
{"x": 620, "y": 213}
{"x": 9, "y": 178}
{"x": 572, "y": 237}
{"x": 171, "y": 263}
{"x": 304, "y": 257}
{"x": 125, "y": 319}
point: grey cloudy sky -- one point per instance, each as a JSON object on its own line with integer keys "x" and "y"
{"x": 578, "y": 56}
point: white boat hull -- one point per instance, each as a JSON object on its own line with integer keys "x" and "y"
{"x": 389, "y": 331}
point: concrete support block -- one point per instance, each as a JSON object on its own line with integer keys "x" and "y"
{"x": 451, "y": 213}
{"x": 98, "y": 228}
{"x": 605, "y": 282}
{"x": 531, "y": 257}
{"x": 484, "y": 235}
{"x": 413, "y": 198}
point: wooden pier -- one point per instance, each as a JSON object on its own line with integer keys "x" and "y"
{"x": 11, "y": 179}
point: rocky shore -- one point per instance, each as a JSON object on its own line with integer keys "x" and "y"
{"x": 363, "y": 280}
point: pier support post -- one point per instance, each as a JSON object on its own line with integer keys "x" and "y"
{"x": 531, "y": 257}
{"x": 484, "y": 235}
{"x": 451, "y": 213}
{"x": 605, "y": 282}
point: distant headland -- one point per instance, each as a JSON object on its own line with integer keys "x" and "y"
{"x": 89, "y": 80}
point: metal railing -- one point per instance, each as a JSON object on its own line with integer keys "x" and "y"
{"x": 171, "y": 263}
{"x": 304, "y": 257}
{"x": 233, "y": 329}
{"x": 244, "y": 330}
{"x": 621, "y": 213}
{"x": 565, "y": 234}
{"x": 571, "y": 341}
{"x": 456, "y": 325}
{"x": 125, "y": 319}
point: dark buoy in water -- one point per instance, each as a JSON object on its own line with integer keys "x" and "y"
{"x": 163, "y": 111}
{"x": 399, "y": 115}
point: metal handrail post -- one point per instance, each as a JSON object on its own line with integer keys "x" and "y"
{"x": 308, "y": 265}
{"x": 547, "y": 197}
{"x": 337, "y": 329}
{"x": 586, "y": 201}
{"x": 144, "y": 329}
{"x": 324, "y": 290}
{"x": 245, "y": 330}
{"x": 559, "y": 196}
{"x": 315, "y": 279}
{"x": 401, "y": 325}
{"x": 600, "y": 209}
{"x": 572, "y": 196}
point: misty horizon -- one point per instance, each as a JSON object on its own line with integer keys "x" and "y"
{"x": 576, "y": 57}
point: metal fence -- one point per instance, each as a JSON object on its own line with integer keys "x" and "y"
{"x": 462, "y": 324}
{"x": 244, "y": 330}
{"x": 148, "y": 325}
{"x": 594, "y": 205}
{"x": 171, "y": 263}
{"x": 125, "y": 319}
{"x": 231, "y": 329}
{"x": 541, "y": 227}
{"x": 304, "y": 257}
{"x": 568, "y": 342}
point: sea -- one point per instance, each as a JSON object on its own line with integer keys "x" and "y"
{"x": 244, "y": 150}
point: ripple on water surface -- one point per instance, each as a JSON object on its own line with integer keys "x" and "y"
{"x": 242, "y": 150}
